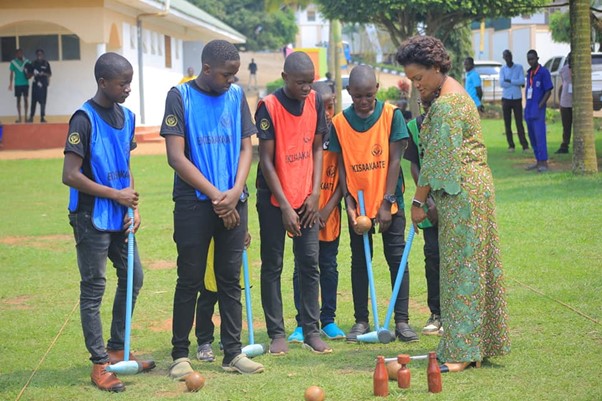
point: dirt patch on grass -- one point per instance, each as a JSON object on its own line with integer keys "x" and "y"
{"x": 160, "y": 265}
{"x": 48, "y": 242}
{"x": 17, "y": 303}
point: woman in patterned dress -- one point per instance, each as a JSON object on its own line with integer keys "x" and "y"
{"x": 455, "y": 173}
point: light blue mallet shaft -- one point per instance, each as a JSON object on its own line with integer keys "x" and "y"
{"x": 384, "y": 335}
{"x": 252, "y": 349}
{"x": 360, "y": 197}
{"x": 127, "y": 367}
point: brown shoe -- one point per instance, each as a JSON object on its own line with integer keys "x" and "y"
{"x": 117, "y": 356}
{"x": 104, "y": 380}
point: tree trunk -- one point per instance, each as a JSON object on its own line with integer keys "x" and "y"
{"x": 584, "y": 145}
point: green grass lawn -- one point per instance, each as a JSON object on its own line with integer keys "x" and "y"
{"x": 551, "y": 238}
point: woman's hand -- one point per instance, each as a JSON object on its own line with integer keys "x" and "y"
{"x": 418, "y": 216}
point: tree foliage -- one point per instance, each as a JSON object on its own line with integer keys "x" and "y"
{"x": 401, "y": 18}
{"x": 560, "y": 26}
{"x": 264, "y": 31}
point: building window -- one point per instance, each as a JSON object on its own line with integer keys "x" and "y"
{"x": 70, "y": 47}
{"x": 311, "y": 15}
{"x": 154, "y": 42}
{"x": 133, "y": 36}
{"x": 8, "y": 47}
{"x": 49, "y": 43}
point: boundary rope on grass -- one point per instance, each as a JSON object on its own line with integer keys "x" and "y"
{"x": 47, "y": 351}
{"x": 577, "y": 311}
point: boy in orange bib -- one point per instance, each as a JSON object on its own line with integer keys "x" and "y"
{"x": 370, "y": 137}
{"x": 291, "y": 123}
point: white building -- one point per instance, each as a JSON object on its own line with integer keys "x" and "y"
{"x": 523, "y": 34}
{"x": 74, "y": 33}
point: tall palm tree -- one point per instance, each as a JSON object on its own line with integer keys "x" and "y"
{"x": 584, "y": 146}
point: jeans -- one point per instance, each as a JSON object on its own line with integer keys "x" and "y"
{"x": 93, "y": 248}
{"x": 431, "y": 267}
{"x": 329, "y": 282}
{"x": 393, "y": 246}
{"x": 195, "y": 224}
{"x": 566, "y": 115}
{"x": 305, "y": 249}
{"x": 516, "y": 106}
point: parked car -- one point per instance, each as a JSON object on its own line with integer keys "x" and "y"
{"x": 490, "y": 79}
{"x": 345, "y": 96}
{"x": 557, "y": 62}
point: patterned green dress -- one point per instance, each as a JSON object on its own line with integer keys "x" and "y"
{"x": 473, "y": 304}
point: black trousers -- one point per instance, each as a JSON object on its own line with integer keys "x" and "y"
{"x": 431, "y": 268}
{"x": 38, "y": 95}
{"x": 393, "y": 246}
{"x": 516, "y": 106}
{"x": 305, "y": 248}
{"x": 566, "y": 115}
{"x": 195, "y": 224}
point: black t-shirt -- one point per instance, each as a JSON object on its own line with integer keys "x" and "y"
{"x": 293, "y": 106}
{"x": 174, "y": 114}
{"x": 40, "y": 66}
{"x": 80, "y": 126}
{"x": 411, "y": 153}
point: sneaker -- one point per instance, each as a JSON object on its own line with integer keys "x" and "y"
{"x": 526, "y": 150}
{"x": 510, "y": 150}
{"x": 562, "y": 151}
{"x": 333, "y": 332}
{"x": 204, "y": 352}
{"x": 532, "y": 167}
{"x": 440, "y": 332}
{"x": 296, "y": 336}
{"x": 43, "y": 120}
{"x": 432, "y": 325}
{"x": 315, "y": 344}
{"x": 356, "y": 330}
{"x": 404, "y": 332}
{"x": 278, "y": 346}
{"x": 180, "y": 368}
{"x": 242, "y": 364}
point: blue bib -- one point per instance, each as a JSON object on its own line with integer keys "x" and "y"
{"x": 110, "y": 163}
{"x": 213, "y": 133}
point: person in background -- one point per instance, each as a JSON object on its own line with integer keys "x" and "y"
{"x": 512, "y": 80}
{"x": 19, "y": 77}
{"x": 414, "y": 154}
{"x": 454, "y": 171}
{"x": 566, "y": 105}
{"x": 330, "y": 231}
{"x": 473, "y": 83}
{"x": 252, "y": 74}
{"x": 189, "y": 76}
{"x": 538, "y": 91}
{"x": 39, "y": 87}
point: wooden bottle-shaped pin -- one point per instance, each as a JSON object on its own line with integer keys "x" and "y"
{"x": 381, "y": 378}
{"x": 403, "y": 374}
{"x": 434, "y": 374}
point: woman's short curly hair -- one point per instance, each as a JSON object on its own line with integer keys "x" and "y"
{"x": 426, "y": 51}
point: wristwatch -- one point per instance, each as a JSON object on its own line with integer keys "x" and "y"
{"x": 417, "y": 203}
{"x": 390, "y": 198}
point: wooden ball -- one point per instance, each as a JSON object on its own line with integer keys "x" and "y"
{"x": 392, "y": 368}
{"x": 364, "y": 224}
{"x": 194, "y": 382}
{"x": 314, "y": 393}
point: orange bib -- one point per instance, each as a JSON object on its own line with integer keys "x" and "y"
{"x": 293, "y": 151}
{"x": 366, "y": 158}
{"x": 329, "y": 184}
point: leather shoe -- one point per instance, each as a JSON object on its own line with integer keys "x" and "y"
{"x": 117, "y": 356}
{"x": 106, "y": 381}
